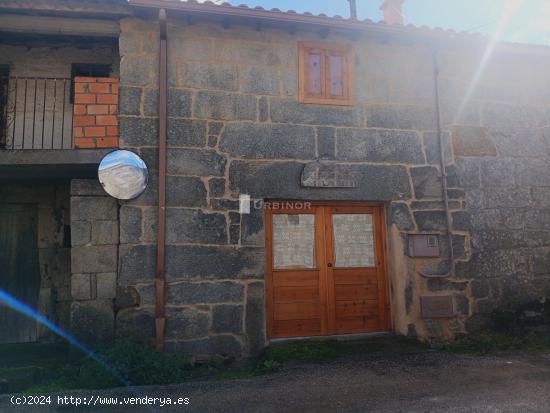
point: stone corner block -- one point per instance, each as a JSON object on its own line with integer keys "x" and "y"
{"x": 104, "y": 232}
{"x": 186, "y": 323}
{"x": 472, "y": 141}
{"x": 87, "y": 208}
{"x": 81, "y": 233}
{"x": 92, "y": 321}
{"x": 106, "y": 285}
{"x": 227, "y": 319}
{"x": 81, "y": 287}
{"x": 400, "y": 215}
{"x": 94, "y": 259}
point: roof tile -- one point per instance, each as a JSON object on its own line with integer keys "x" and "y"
{"x": 322, "y": 18}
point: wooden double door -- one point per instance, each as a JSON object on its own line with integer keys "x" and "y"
{"x": 326, "y": 270}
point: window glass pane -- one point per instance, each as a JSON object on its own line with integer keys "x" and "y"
{"x": 336, "y": 75}
{"x": 293, "y": 241}
{"x": 353, "y": 240}
{"x": 314, "y": 74}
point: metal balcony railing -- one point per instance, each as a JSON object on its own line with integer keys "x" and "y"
{"x": 35, "y": 113}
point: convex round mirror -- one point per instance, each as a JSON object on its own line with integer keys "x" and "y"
{"x": 123, "y": 174}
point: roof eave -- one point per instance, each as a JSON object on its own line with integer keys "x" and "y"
{"x": 209, "y": 9}
{"x": 277, "y": 17}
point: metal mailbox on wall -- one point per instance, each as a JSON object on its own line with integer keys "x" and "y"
{"x": 436, "y": 306}
{"x": 423, "y": 245}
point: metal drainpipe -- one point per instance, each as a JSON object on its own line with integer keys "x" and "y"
{"x": 442, "y": 166}
{"x": 160, "y": 278}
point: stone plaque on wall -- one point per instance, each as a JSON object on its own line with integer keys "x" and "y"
{"x": 328, "y": 175}
{"x": 436, "y": 306}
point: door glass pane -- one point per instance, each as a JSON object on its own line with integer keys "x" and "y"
{"x": 314, "y": 74}
{"x": 353, "y": 240}
{"x": 336, "y": 75}
{"x": 293, "y": 241}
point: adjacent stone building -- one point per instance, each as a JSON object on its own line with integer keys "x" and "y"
{"x": 240, "y": 124}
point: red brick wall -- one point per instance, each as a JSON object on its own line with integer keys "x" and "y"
{"x": 95, "y": 120}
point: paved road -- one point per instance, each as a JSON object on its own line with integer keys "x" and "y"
{"x": 419, "y": 382}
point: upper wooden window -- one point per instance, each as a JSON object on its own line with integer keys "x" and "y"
{"x": 325, "y": 73}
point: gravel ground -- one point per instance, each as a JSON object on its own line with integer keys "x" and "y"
{"x": 379, "y": 382}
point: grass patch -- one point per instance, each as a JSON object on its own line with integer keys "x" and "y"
{"x": 134, "y": 363}
{"x": 64, "y": 368}
{"x": 46, "y": 388}
{"x": 125, "y": 362}
{"x": 496, "y": 342}
{"x": 253, "y": 368}
{"x": 518, "y": 327}
{"x": 304, "y": 351}
{"x": 329, "y": 350}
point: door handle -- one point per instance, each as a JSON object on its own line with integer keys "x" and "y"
{"x": 329, "y": 264}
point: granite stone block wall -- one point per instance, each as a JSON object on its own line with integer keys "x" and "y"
{"x": 94, "y": 252}
{"x": 236, "y": 127}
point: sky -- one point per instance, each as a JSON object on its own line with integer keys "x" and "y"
{"x": 121, "y": 156}
{"x": 524, "y": 21}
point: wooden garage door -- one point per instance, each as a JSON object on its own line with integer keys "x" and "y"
{"x": 326, "y": 271}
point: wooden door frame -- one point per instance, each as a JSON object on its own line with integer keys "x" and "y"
{"x": 380, "y": 239}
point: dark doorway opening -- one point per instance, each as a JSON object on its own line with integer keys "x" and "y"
{"x": 20, "y": 272}
{"x": 88, "y": 70}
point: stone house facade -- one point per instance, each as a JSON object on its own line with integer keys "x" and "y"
{"x": 237, "y": 126}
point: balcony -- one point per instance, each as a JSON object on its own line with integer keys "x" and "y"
{"x": 44, "y": 135}
{"x": 37, "y": 113}
{"x": 46, "y": 114}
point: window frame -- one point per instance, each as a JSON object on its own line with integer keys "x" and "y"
{"x": 326, "y": 50}
{"x": 315, "y": 264}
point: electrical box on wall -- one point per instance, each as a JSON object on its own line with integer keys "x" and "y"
{"x": 423, "y": 245}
